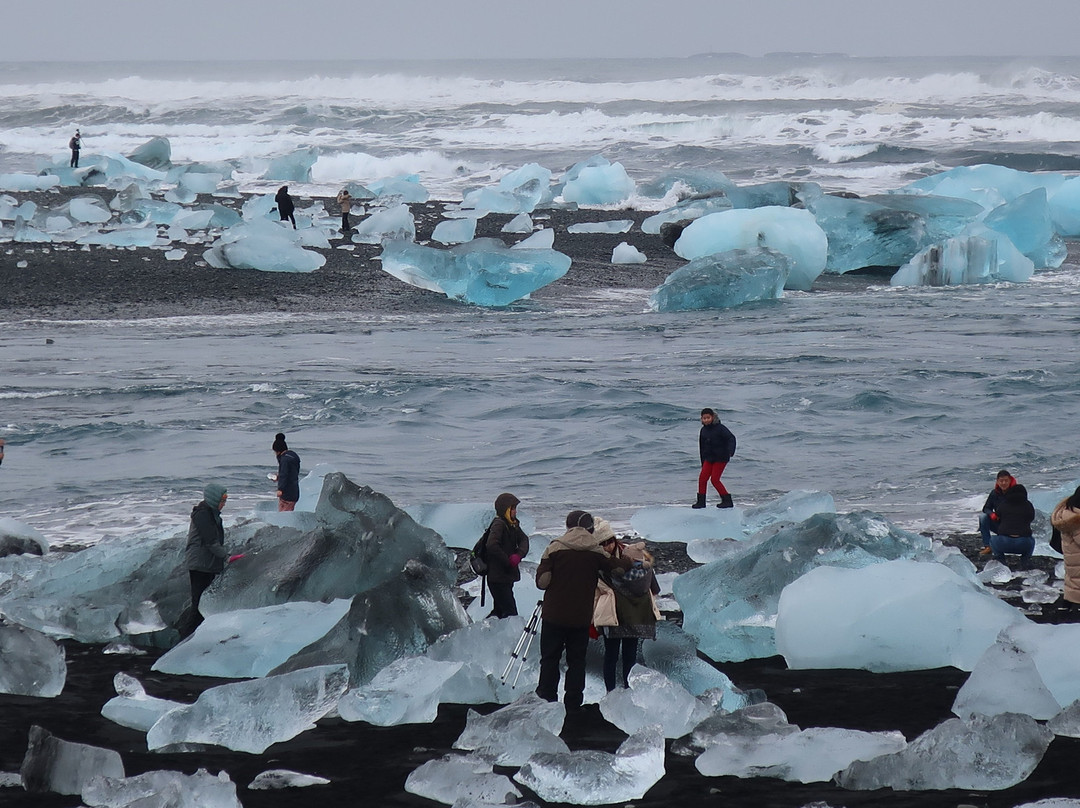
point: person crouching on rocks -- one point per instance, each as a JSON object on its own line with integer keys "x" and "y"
{"x": 507, "y": 544}
{"x": 568, "y": 572}
{"x": 1014, "y": 526}
{"x": 1066, "y": 518}
{"x": 716, "y": 445}
{"x": 205, "y": 553}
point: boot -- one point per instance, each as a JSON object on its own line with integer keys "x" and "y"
{"x": 700, "y": 501}
{"x": 725, "y": 501}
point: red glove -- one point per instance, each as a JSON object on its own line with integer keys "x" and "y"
{"x": 593, "y": 633}
{"x": 515, "y": 559}
{"x": 236, "y": 557}
{"x": 994, "y": 517}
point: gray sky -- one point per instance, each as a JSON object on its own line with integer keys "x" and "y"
{"x": 355, "y": 29}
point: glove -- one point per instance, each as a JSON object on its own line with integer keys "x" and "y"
{"x": 515, "y": 559}
{"x": 994, "y": 517}
{"x": 593, "y": 633}
{"x": 236, "y": 557}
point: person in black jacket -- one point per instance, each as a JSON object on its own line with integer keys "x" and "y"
{"x": 1015, "y": 515}
{"x": 506, "y": 545}
{"x": 988, "y": 519}
{"x": 716, "y": 445}
{"x": 285, "y": 205}
{"x": 288, "y": 474}
{"x": 205, "y": 553}
{"x": 75, "y": 144}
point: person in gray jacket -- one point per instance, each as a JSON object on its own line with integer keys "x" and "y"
{"x": 205, "y": 553}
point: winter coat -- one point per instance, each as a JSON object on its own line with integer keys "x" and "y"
{"x": 344, "y": 200}
{"x": 995, "y": 498}
{"x": 634, "y": 590}
{"x": 1015, "y": 513}
{"x": 288, "y": 475}
{"x": 568, "y": 572}
{"x": 716, "y": 443}
{"x": 284, "y": 202}
{"x": 504, "y": 540}
{"x": 1067, "y": 520}
{"x": 205, "y": 550}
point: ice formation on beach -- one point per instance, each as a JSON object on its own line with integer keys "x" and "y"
{"x": 519, "y": 192}
{"x": 522, "y": 223}
{"x": 455, "y": 231}
{"x": 264, "y": 245}
{"x": 163, "y": 789}
{"x": 132, "y": 707}
{"x": 978, "y": 256}
{"x": 724, "y": 280}
{"x": 654, "y": 698}
{"x": 611, "y": 226}
{"x": 403, "y": 189}
{"x": 65, "y": 767}
{"x": 483, "y": 272}
{"x": 31, "y": 664}
{"x": 1027, "y": 223}
{"x": 893, "y": 616}
{"x": 275, "y": 779}
{"x": 391, "y": 224}
{"x": 674, "y": 654}
{"x": 27, "y": 182}
{"x": 624, "y": 253}
{"x": 18, "y": 538}
{"x": 597, "y": 181}
{"x": 686, "y": 210}
{"x": 543, "y": 239}
{"x": 789, "y": 231}
{"x": 514, "y": 733}
{"x": 461, "y": 523}
{"x": 294, "y": 167}
{"x": 462, "y": 780}
{"x": 407, "y": 691}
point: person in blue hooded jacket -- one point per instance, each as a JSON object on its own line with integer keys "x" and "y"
{"x": 205, "y": 553}
{"x": 288, "y": 474}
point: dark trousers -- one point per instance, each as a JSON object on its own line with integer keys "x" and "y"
{"x": 74, "y": 158}
{"x": 612, "y": 646}
{"x": 502, "y": 600}
{"x": 345, "y": 226}
{"x": 553, "y": 641}
{"x": 199, "y": 583}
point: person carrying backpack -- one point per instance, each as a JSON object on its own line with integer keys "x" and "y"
{"x": 506, "y": 545}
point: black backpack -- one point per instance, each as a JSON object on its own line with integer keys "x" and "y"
{"x": 478, "y": 555}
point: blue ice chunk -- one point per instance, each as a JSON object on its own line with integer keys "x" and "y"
{"x": 199, "y": 182}
{"x": 483, "y": 272}
{"x": 224, "y": 217}
{"x": 11, "y": 211}
{"x": 157, "y": 211}
{"x": 979, "y": 255}
{"x": 791, "y": 231}
{"x": 294, "y": 167}
{"x": 988, "y": 185}
{"x": 180, "y": 195}
{"x": 461, "y": 523}
{"x": 709, "y": 183}
{"x": 129, "y": 196}
{"x": 25, "y": 233}
{"x": 258, "y": 207}
{"x": 263, "y": 245}
{"x": 455, "y": 231}
{"x": 723, "y": 281}
{"x": 520, "y": 191}
{"x": 687, "y": 209}
{"x": 772, "y": 194}
{"x": 522, "y": 223}
{"x": 122, "y": 237}
{"x": 597, "y": 182}
{"x": 27, "y": 182}
{"x": 543, "y": 239}
{"x": 406, "y": 188}
{"x": 1026, "y": 221}
{"x": 1065, "y": 208}
{"x": 392, "y": 224}
{"x": 194, "y": 219}
{"x": 627, "y": 254}
{"x": 611, "y": 226}
{"x": 155, "y": 153}
{"x": 89, "y": 209}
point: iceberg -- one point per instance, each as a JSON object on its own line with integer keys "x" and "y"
{"x": 511, "y": 735}
{"x": 132, "y": 707}
{"x": 461, "y": 780}
{"x": 31, "y": 664}
{"x": 790, "y": 231}
{"x": 627, "y": 254}
{"x": 407, "y": 691}
{"x": 122, "y": 237}
{"x": 898, "y": 615}
{"x": 1026, "y": 222}
{"x": 686, "y": 211}
{"x": 519, "y": 192}
{"x": 598, "y": 778}
{"x": 27, "y": 182}
{"x": 461, "y": 523}
{"x": 392, "y": 224}
{"x": 653, "y": 695}
{"x": 156, "y": 153}
{"x": 402, "y": 189}
{"x": 981, "y": 754}
{"x": 979, "y": 255}
{"x": 163, "y": 789}
{"x": 294, "y": 167}
{"x": 454, "y": 231}
{"x": 723, "y": 281}
{"x": 597, "y": 182}
{"x": 989, "y": 185}
{"x": 674, "y": 654}
{"x": 251, "y": 716}
{"x": 17, "y": 538}
{"x": 1065, "y": 208}
{"x": 743, "y": 725}
{"x": 522, "y": 223}
{"x": 263, "y": 245}
{"x": 778, "y": 193}
{"x": 199, "y": 182}
{"x": 89, "y": 209}
{"x": 483, "y": 272}
{"x": 64, "y": 767}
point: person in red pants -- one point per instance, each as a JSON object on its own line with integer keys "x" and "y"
{"x": 716, "y": 444}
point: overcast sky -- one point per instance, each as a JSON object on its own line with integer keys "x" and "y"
{"x": 357, "y": 29}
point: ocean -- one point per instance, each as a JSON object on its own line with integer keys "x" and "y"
{"x": 901, "y": 401}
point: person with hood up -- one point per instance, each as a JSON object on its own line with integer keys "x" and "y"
{"x": 205, "y": 553}
{"x": 988, "y": 519}
{"x": 635, "y": 607}
{"x": 567, "y": 573}
{"x": 285, "y": 205}
{"x": 288, "y": 473}
{"x": 716, "y": 445}
{"x": 1066, "y": 518}
{"x": 506, "y": 545}
{"x": 1015, "y": 515}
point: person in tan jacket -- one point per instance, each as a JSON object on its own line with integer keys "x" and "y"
{"x": 1066, "y": 518}
{"x": 344, "y": 200}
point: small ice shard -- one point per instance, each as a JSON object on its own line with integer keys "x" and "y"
{"x": 597, "y": 182}
{"x": 543, "y": 239}
{"x": 790, "y": 231}
{"x": 980, "y": 754}
{"x": 511, "y": 735}
{"x": 483, "y": 272}
{"x": 598, "y": 778}
{"x": 18, "y": 538}
{"x": 627, "y": 254}
{"x": 392, "y": 224}
{"x": 31, "y": 664}
{"x": 63, "y": 767}
{"x": 461, "y": 780}
{"x": 132, "y": 708}
{"x": 522, "y": 223}
{"x": 403, "y": 189}
{"x": 723, "y": 281}
{"x": 163, "y": 789}
{"x": 455, "y": 231}
{"x": 407, "y": 691}
{"x": 294, "y": 167}
{"x": 276, "y": 779}
{"x": 251, "y": 716}
{"x": 175, "y": 255}
{"x": 611, "y": 226}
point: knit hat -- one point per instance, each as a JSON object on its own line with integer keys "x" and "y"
{"x": 603, "y": 531}
{"x": 213, "y": 493}
{"x": 579, "y": 519}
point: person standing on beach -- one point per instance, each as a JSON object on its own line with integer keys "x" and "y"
{"x": 989, "y": 518}
{"x": 568, "y": 572}
{"x": 1066, "y": 518}
{"x": 288, "y": 474}
{"x": 75, "y": 144}
{"x": 205, "y": 553}
{"x": 1, "y": 450}
{"x": 507, "y": 544}
{"x": 344, "y": 200}
{"x": 716, "y": 445}
{"x": 285, "y": 205}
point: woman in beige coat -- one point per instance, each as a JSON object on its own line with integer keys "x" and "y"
{"x": 1066, "y": 518}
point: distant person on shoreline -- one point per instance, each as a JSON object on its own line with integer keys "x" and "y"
{"x": 344, "y": 200}
{"x": 288, "y": 474}
{"x": 1, "y": 450}
{"x": 205, "y": 553}
{"x": 716, "y": 445}
{"x": 1015, "y": 515}
{"x": 1066, "y": 518}
{"x": 285, "y": 205}
{"x": 507, "y": 544}
{"x": 75, "y": 144}
{"x": 989, "y": 518}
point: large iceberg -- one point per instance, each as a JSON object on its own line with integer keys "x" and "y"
{"x": 790, "y": 231}
{"x": 723, "y": 281}
{"x": 483, "y": 272}
{"x": 597, "y": 181}
{"x": 293, "y": 167}
{"x": 263, "y": 245}
{"x": 989, "y": 185}
{"x": 895, "y": 616}
{"x": 1026, "y": 221}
